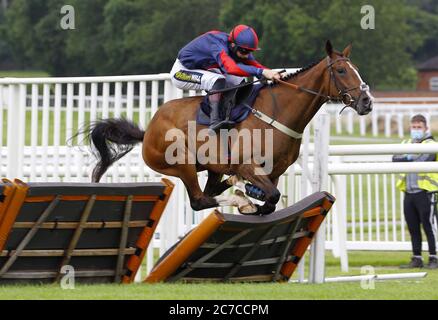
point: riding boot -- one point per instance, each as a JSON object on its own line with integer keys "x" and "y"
{"x": 216, "y": 105}
{"x": 215, "y": 114}
{"x": 217, "y": 120}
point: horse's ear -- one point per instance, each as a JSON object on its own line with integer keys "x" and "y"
{"x": 329, "y": 48}
{"x": 347, "y": 51}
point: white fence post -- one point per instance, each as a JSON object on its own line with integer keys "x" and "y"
{"x": 362, "y": 126}
{"x": 400, "y": 125}
{"x": 387, "y": 125}
{"x": 339, "y": 219}
{"x": 350, "y": 123}
{"x": 305, "y": 176}
{"x": 375, "y": 123}
{"x": 16, "y": 124}
{"x": 169, "y": 91}
{"x": 320, "y": 183}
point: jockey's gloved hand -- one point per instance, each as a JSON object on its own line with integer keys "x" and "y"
{"x": 263, "y": 80}
{"x": 271, "y": 74}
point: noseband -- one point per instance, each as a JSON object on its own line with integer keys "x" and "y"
{"x": 344, "y": 95}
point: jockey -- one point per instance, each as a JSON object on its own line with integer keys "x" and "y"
{"x": 217, "y": 59}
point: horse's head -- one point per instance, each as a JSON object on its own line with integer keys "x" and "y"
{"x": 345, "y": 82}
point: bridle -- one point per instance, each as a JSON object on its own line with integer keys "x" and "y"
{"x": 343, "y": 96}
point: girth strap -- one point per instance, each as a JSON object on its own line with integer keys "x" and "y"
{"x": 265, "y": 118}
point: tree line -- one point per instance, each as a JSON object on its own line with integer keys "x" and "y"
{"x": 113, "y": 37}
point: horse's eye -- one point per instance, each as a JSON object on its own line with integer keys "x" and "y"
{"x": 342, "y": 71}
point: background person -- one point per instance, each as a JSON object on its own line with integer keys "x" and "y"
{"x": 417, "y": 202}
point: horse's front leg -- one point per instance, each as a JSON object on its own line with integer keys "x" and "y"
{"x": 239, "y": 200}
{"x": 269, "y": 192}
{"x": 200, "y": 201}
{"x": 215, "y": 186}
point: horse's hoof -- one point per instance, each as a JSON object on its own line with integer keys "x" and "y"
{"x": 262, "y": 211}
{"x": 239, "y": 193}
{"x": 249, "y": 209}
{"x": 231, "y": 181}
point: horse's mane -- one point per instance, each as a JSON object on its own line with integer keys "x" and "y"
{"x": 308, "y": 67}
{"x": 304, "y": 69}
{"x": 296, "y": 73}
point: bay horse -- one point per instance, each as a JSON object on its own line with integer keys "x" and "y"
{"x": 291, "y": 102}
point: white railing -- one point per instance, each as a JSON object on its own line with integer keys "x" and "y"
{"x": 388, "y": 119}
{"x": 374, "y": 221}
{"x": 42, "y": 113}
{"x": 45, "y": 112}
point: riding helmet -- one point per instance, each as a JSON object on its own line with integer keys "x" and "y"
{"x": 244, "y": 37}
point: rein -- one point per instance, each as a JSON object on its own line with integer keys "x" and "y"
{"x": 245, "y": 84}
{"x": 343, "y": 96}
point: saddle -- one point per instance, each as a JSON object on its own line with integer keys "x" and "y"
{"x": 237, "y": 101}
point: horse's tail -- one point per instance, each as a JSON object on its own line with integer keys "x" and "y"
{"x": 112, "y": 139}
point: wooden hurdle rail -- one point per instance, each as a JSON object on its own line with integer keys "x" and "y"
{"x": 236, "y": 248}
{"x": 101, "y": 230}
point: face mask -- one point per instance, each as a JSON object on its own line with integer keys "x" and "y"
{"x": 417, "y": 134}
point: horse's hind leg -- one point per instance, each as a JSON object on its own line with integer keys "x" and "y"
{"x": 215, "y": 186}
{"x": 198, "y": 200}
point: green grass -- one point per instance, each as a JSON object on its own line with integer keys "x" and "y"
{"x": 24, "y": 74}
{"x": 384, "y": 262}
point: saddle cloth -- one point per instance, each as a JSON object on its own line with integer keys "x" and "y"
{"x": 243, "y": 98}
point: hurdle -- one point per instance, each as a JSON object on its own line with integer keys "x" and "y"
{"x": 101, "y": 230}
{"x": 238, "y": 248}
{"x": 377, "y": 277}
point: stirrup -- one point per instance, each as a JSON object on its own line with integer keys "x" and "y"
{"x": 224, "y": 124}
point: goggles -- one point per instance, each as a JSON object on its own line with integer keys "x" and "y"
{"x": 243, "y": 50}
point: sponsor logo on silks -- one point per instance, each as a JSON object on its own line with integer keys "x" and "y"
{"x": 188, "y": 76}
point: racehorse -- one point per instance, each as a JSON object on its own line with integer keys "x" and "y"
{"x": 284, "y": 108}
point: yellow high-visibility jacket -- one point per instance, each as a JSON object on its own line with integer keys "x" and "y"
{"x": 426, "y": 181}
